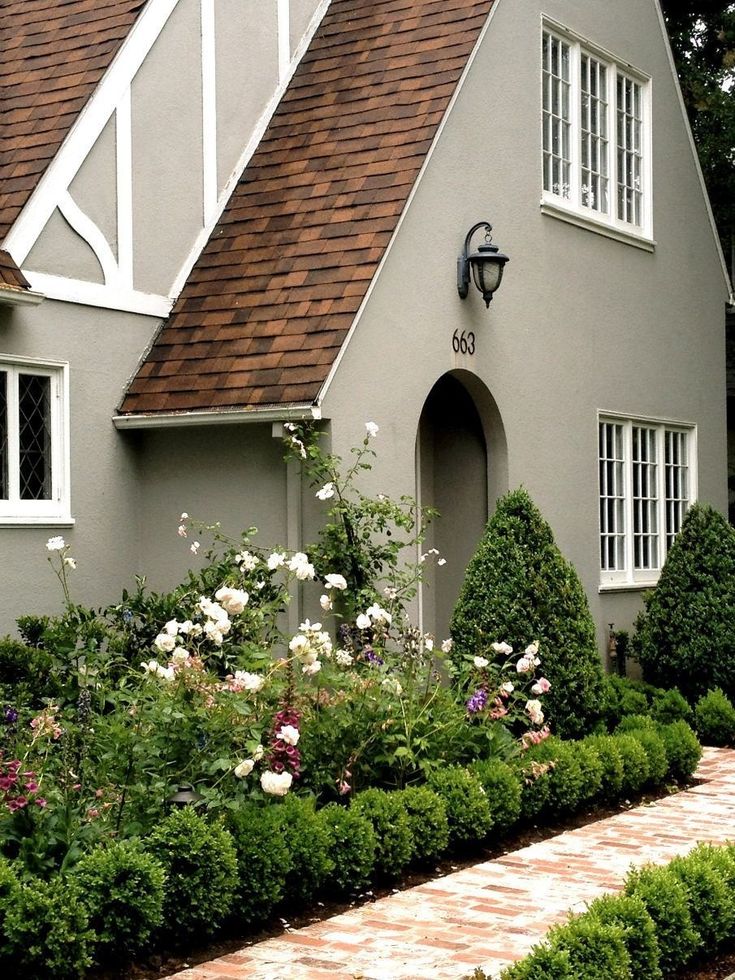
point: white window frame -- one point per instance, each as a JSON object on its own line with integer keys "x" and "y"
{"x": 571, "y": 209}
{"x": 57, "y": 510}
{"x": 628, "y": 577}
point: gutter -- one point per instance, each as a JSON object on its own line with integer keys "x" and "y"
{"x": 237, "y": 416}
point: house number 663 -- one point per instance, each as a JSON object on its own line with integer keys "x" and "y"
{"x": 463, "y": 343}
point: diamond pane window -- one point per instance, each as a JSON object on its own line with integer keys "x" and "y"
{"x": 34, "y": 465}
{"x": 647, "y": 481}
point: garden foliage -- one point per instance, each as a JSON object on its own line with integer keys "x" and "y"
{"x": 686, "y": 632}
{"x": 519, "y": 588}
{"x": 714, "y": 717}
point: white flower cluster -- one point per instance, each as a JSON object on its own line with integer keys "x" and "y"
{"x": 311, "y": 643}
{"x": 245, "y": 767}
{"x": 157, "y": 670}
{"x": 375, "y": 615}
{"x": 246, "y": 561}
{"x": 529, "y": 660}
{"x": 242, "y": 680}
{"x": 301, "y": 567}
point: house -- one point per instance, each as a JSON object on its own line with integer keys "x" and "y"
{"x": 217, "y": 216}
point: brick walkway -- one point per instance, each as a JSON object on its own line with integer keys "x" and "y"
{"x": 491, "y": 913}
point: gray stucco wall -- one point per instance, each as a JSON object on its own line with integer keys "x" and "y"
{"x": 581, "y": 323}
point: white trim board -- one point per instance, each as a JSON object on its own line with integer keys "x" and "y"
{"x": 97, "y": 294}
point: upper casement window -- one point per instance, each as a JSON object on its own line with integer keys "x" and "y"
{"x": 596, "y": 139}
{"x": 34, "y": 465}
{"x": 648, "y": 478}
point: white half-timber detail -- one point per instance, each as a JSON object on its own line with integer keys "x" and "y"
{"x": 96, "y": 294}
{"x": 90, "y": 233}
{"x": 124, "y": 165}
{"x": 84, "y": 133}
{"x": 256, "y": 137}
{"x": 284, "y": 38}
{"x": 209, "y": 113}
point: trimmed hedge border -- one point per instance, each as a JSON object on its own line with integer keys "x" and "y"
{"x": 265, "y": 860}
{"x": 663, "y": 919}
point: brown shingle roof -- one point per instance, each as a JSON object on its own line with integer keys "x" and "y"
{"x": 272, "y": 296}
{"x": 52, "y": 55}
{"x": 10, "y": 275}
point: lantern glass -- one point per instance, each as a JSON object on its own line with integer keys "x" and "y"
{"x": 487, "y": 273}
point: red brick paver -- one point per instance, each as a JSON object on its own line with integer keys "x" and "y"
{"x": 492, "y": 913}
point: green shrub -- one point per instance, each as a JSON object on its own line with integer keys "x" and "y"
{"x": 535, "y": 781}
{"x": 596, "y": 951}
{"x": 47, "y": 932}
{"x": 639, "y": 935}
{"x": 308, "y": 843}
{"x": 611, "y": 782}
{"x": 667, "y": 902}
{"x": 519, "y": 588}
{"x": 622, "y": 696}
{"x": 122, "y": 889}
{"x": 9, "y": 887}
{"x": 634, "y": 723}
{"x": 635, "y": 763}
{"x": 200, "y": 862}
{"x": 352, "y": 846}
{"x": 687, "y": 627}
{"x": 427, "y": 818}
{"x": 722, "y": 859}
{"x": 682, "y": 749}
{"x": 715, "y": 718}
{"x": 710, "y": 903}
{"x": 503, "y": 790}
{"x": 468, "y": 810}
{"x": 658, "y": 764}
{"x": 670, "y": 706}
{"x": 263, "y": 861}
{"x": 565, "y": 777}
{"x": 542, "y": 963}
{"x": 590, "y": 764}
{"x": 392, "y": 829}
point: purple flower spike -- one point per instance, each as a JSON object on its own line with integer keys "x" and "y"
{"x": 477, "y": 702}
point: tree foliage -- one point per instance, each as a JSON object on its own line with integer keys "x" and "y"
{"x": 702, "y": 34}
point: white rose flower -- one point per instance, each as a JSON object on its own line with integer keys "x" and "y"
{"x": 166, "y": 673}
{"x": 326, "y": 492}
{"x": 378, "y": 614}
{"x": 259, "y": 753}
{"x": 343, "y": 658}
{"x": 447, "y": 646}
{"x": 289, "y": 734}
{"x": 363, "y": 622}
{"x": 524, "y": 666}
{"x": 164, "y": 642}
{"x": 325, "y": 602}
{"x": 531, "y": 650}
{"x": 179, "y": 656}
{"x": 249, "y": 682}
{"x": 186, "y": 627}
{"x": 392, "y": 684}
{"x": 150, "y": 666}
{"x": 480, "y": 662}
{"x": 275, "y": 560}
{"x": 247, "y": 561}
{"x": 55, "y": 544}
{"x": 533, "y": 709}
{"x": 233, "y": 600}
{"x": 299, "y": 644}
{"x": 305, "y": 572}
{"x": 195, "y": 547}
{"x": 507, "y": 687}
{"x": 312, "y": 668}
{"x": 276, "y": 783}
{"x": 372, "y": 429}
{"x": 505, "y": 649}
{"x": 245, "y": 768}
{"x": 333, "y": 581}
{"x": 184, "y": 516}
{"x": 182, "y": 531}
{"x": 171, "y": 627}
{"x": 429, "y": 643}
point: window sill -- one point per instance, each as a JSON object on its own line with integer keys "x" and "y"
{"x": 626, "y": 586}
{"x": 30, "y": 521}
{"x": 574, "y": 217}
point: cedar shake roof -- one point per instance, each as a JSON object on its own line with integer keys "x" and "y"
{"x": 274, "y": 292}
{"x": 10, "y": 275}
{"x": 53, "y": 54}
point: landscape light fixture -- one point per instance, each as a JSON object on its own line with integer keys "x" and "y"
{"x": 487, "y": 265}
{"x": 185, "y": 796}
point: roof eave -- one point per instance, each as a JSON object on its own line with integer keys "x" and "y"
{"x": 233, "y": 416}
{"x": 13, "y": 296}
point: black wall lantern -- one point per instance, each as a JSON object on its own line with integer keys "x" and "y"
{"x": 487, "y": 265}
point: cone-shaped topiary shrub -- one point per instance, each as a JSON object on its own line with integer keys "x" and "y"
{"x": 686, "y": 632}
{"x": 519, "y": 588}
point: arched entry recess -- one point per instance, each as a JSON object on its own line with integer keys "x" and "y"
{"x": 461, "y": 470}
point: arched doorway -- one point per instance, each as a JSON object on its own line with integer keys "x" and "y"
{"x": 461, "y": 469}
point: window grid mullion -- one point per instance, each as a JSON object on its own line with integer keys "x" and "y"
{"x": 575, "y": 94}
{"x": 13, "y": 438}
{"x": 628, "y": 507}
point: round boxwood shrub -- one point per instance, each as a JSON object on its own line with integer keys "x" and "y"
{"x": 308, "y": 843}
{"x": 263, "y": 861}
{"x": 590, "y": 764}
{"x": 667, "y": 902}
{"x": 635, "y": 763}
{"x": 714, "y": 717}
{"x": 518, "y": 588}
{"x": 542, "y": 963}
{"x": 352, "y": 846}
{"x": 608, "y": 753}
{"x": 634, "y": 723}
{"x": 639, "y": 934}
{"x": 392, "y": 830}
{"x": 200, "y": 862}
{"x": 47, "y": 931}
{"x": 565, "y": 776}
{"x": 596, "y": 950}
{"x": 687, "y": 627}
{"x": 682, "y": 749}
{"x": 668, "y": 706}
{"x": 427, "y": 818}
{"x": 535, "y": 781}
{"x": 9, "y": 887}
{"x": 468, "y": 810}
{"x": 503, "y": 790}
{"x": 622, "y": 696}
{"x": 710, "y": 902}
{"x": 722, "y": 859}
{"x": 658, "y": 764}
{"x": 122, "y": 889}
